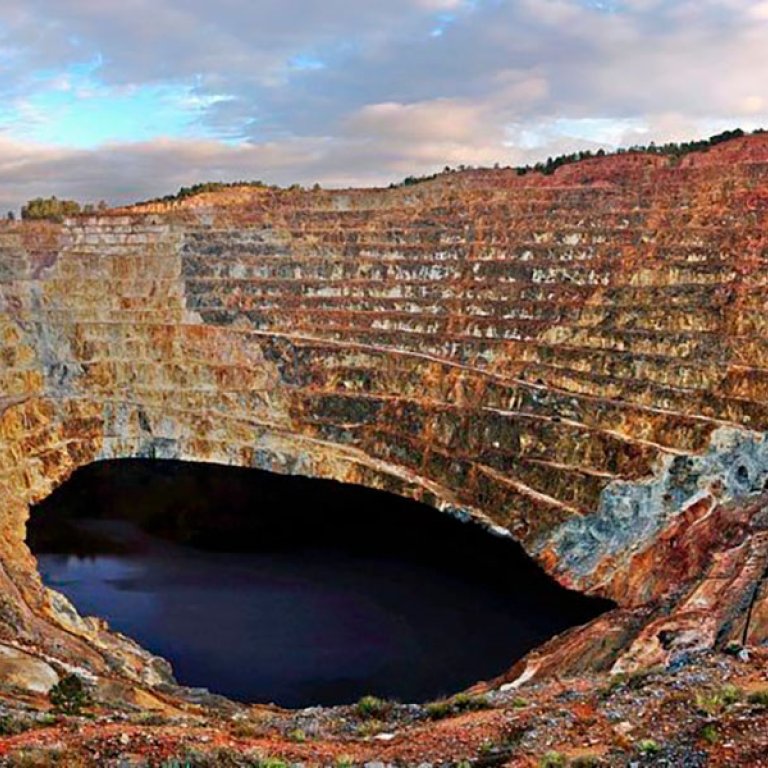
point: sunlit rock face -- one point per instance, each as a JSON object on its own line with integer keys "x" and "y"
{"x": 578, "y": 361}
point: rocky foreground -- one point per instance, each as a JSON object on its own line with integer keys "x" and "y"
{"x": 709, "y": 710}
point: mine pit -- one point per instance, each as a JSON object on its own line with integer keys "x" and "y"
{"x": 270, "y": 588}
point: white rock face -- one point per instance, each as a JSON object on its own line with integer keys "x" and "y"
{"x": 20, "y": 670}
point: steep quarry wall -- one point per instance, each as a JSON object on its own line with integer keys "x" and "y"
{"x": 577, "y": 361}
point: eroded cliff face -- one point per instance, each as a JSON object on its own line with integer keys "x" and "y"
{"x": 578, "y": 361}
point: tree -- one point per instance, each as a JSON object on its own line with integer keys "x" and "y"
{"x": 672, "y": 150}
{"x": 50, "y": 208}
{"x": 69, "y": 695}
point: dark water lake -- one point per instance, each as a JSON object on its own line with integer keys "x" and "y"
{"x": 266, "y": 588}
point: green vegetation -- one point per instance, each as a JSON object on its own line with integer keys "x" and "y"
{"x": 272, "y": 762}
{"x": 759, "y": 697}
{"x": 370, "y": 728}
{"x": 69, "y": 696}
{"x": 53, "y": 209}
{"x": 730, "y": 694}
{"x": 497, "y": 751}
{"x": 461, "y": 702}
{"x": 649, "y": 747}
{"x": 207, "y": 186}
{"x": 148, "y": 718}
{"x": 712, "y": 702}
{"x": 486, "y": 748}
{"x": 437, "y": 710}
{"x": 410, "y": 181}
{"x": 50, "y": 209}
{"x": 553, "y": 760}
{"x": 248, "y": 729}
{"x": 585, "y": 761}
{"x": 671, "y": 149}
{"x": 11, "y": 726}
{"x": 710, "y": 734}
{"x": 373, "y": 708}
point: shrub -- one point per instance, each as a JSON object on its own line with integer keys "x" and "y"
{"x": 437, "y": 710}
{"x": 371, "y": 707}
{"x": 710, "y": 734}
{"x": 649, "y": 747}
{"x": 759, "y": 697}
{"x": 456, "y": 705}
{"x": 248, "y": 729}
{"x": 46, "y": 719}
{"x": 8, "y": 726}
{"x": 272, "y": 762}
{"x": 712, "y": 702}
{"x": 465, "y": 702}
{"x": 552, "y": 760}
{"x": 486, "y": 747}
{"x": 69, "y": 695}
{"x": 148, "y": 718}
{"x": 50, "y": 208}
{"x": 371, "y": 728}
{"x": 12, "y": 725}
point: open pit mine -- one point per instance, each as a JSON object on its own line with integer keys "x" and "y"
{"x": 578, "y": 362}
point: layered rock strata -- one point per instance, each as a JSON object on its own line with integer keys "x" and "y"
{"x": 579, "y": 362}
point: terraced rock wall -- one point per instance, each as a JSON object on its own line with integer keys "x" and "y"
{"x": 577, "y": 361}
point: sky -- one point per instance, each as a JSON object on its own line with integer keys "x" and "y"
{"x": 126, "y": 100}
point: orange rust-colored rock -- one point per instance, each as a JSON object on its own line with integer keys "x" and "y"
{"x": 576, "y": 361}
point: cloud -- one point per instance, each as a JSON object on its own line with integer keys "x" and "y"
{"x": 439, "y": 120}
{"x": 340, "y": 92}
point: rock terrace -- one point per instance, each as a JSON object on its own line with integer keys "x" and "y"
{"x": 577, "y": 361}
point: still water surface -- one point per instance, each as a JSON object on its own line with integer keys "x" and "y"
{"x": 317, "y": 623}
